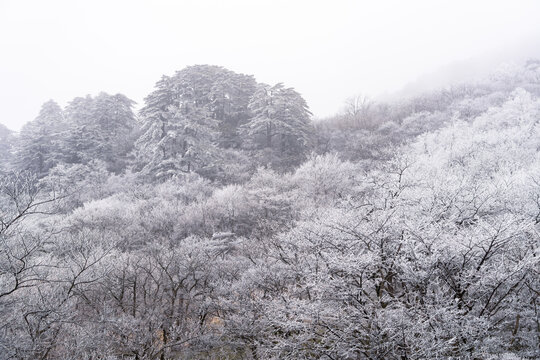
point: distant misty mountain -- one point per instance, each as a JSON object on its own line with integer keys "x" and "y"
{"x": 468, "y": 70}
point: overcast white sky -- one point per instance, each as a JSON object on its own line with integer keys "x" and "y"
{"x": 327, "y": 50}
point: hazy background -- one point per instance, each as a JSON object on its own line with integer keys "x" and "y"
{"x": 327, "y": 50}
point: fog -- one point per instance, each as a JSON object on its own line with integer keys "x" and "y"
{"x": 269, "y": 180}
{"x": 326, "y": 51}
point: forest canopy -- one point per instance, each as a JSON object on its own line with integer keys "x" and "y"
{"x": 221, "y": 221}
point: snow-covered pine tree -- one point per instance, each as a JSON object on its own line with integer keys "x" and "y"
{"x": 38, "y": 147}
{"x": 280, "y": 126}
{"x": 187, "y": 118}
{"x": 6, "y": 147}
{"x": 99, "y": 129}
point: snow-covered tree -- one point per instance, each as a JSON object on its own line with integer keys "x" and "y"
{"x": 280, "y": 124}
{"x": 99, "y": 128}
{"x": 38, "y": 146}
{"x": 188, "y": 116}
{"x": 7, "y": 141}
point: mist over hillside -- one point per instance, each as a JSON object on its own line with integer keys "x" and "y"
{"x": 240, "y": 180}
{"x": 222, "y": 222}
{"x": 469, "y": 70}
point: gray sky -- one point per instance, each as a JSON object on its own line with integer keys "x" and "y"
{"x": 327, "y": 50}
